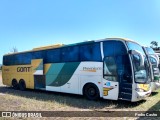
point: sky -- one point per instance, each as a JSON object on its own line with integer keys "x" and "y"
{"x": 26, "y": 24}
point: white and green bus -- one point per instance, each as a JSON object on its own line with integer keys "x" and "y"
{"x": 112, "y": 68}
{"x": 155, "y": 73}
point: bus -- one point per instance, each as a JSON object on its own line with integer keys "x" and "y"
{"x": 111, "y": 68}
{"x": 155, "y": 73}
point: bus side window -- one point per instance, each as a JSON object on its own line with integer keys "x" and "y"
{"x": 52, "y": 56}
{"x": 124, "y": 68}
{"x": 22, "y": 59}
{"x": 70, "y": 54}
{"x": 108, "y": 48}
{"x": 90, "y": 52}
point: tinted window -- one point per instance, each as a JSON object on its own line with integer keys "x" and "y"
{"x": 17, "y": 59}
{"x": 149, "y": 50}
{"x": 8, "y": 60}
{"x": 52, "y": 56}
{"x": 70, "y": 54}
{"x": 142, "y": 73}
{"x": 134, "y": 46}
{"x": 120, "y": 48}
{"x": 110, "y": 69}
{"x": 37, "y": 55}
{"x": 108, "y": 48}
{"x": 24, "y": 58}
{"x": 111, "y": 48}
{"x": 28, "y": 58}
{"x": 90, "y": 52}
{"x": 124, "y": 68}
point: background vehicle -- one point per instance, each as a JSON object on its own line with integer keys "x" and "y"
{"x": 158, "y": 54}
{"x": 112, "y": 68}
{"x": 154, "y": 61}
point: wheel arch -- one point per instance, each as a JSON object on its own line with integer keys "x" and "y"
{"x": 87, "y": 87}
{"x": 88, "y": 84}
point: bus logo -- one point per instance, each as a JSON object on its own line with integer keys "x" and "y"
{"x": 91, "y": 69}
{"x": 23, "y": 69}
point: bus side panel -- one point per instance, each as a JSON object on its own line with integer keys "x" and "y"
{"x": 17, "y": 72}
{"x": 90, "y": 72}
{"x": 71, "y": 77}
{"x": 6, "y": 75}
{"x": 61, "y": 77}
{"x": 72, "y": 86}
{"x": 97, "y": 80}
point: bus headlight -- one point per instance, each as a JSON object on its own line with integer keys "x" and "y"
{"x": 139, "y": 90}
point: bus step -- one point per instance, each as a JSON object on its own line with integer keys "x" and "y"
{"x": 124, "y": 99}
{"x": 127, "y": 90}
{"x": 124, "y": 95}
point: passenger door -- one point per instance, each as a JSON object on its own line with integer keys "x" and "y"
{"x": 110, "y": 78}
{"x": 117, "y": 78}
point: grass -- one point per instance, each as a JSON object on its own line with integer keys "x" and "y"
{"x": 42, "y": 100}
{"x": 35, "y": 100}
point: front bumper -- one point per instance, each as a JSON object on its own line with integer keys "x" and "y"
{"x": 143, "y": 95}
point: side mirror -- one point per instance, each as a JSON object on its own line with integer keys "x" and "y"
{"x": 136, "y": 52}
{"x": 156, "y": 71}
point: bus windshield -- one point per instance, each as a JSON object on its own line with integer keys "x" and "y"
{"x": 141, "y": 73}
{"x": 149, "y": 50}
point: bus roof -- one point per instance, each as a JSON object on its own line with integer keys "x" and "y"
{"x": 48, "y": 47}
{"x": 119, "y": 39}
{"x": 63, "y": 45}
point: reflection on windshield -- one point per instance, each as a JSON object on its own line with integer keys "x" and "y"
{"x": 154, "y": 66}
{"x": 150, "y": 50}
{"x": 142, "y": 73}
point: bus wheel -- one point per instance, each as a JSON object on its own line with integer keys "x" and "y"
{"x": 15, "y": 84}
{"x": 91, "y": 91}
{"x": 22, "y": 85}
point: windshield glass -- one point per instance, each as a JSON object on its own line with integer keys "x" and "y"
{"x": 149, "y": 50}
{"x": 141, "y": 73}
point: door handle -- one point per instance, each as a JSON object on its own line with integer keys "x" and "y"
{"x": 115, "y": 85}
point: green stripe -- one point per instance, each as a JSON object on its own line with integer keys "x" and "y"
{"x": 64, "y": 75}
{"x": 53, "y": 72}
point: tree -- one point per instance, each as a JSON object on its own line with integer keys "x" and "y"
{"x": 154, "y": 44}
{"x": 14, "y": 50}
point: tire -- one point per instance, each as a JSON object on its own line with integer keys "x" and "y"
{"x": 15, "y": 84}
{"x": 91, "y": 92}
{"x": 22, "y": 85}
